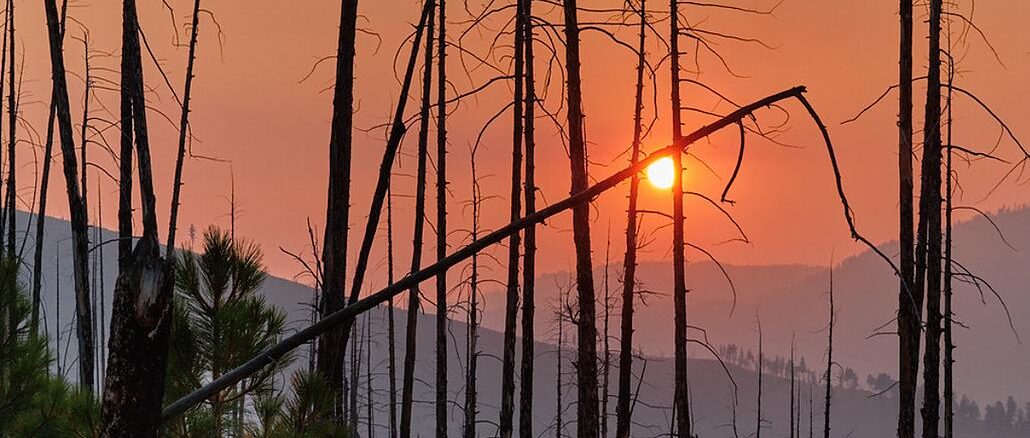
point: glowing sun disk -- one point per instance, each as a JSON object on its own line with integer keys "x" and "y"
{"x": 661, "y": 173}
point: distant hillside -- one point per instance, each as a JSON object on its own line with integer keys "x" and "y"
{"x": 791, "y": 299}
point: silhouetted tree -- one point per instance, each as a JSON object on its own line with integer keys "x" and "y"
{"x": 529, "y": 258}
{"x": 441, "y": 226}
{"x": 331, "y": 348}
{"x": 419, "y": 225}
{"x": 586, "y": 326}
{"x": 910, "y": 299}
{"x": 829, "y": 364}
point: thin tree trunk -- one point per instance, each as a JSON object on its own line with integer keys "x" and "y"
{"x": 511, "y": 309}
{"x": 811, "y": 414}
{"x": 5, "y": 209}
{"x": 355, "y": 377}
{"x": 75, "y": 204}
{"x": 629, "y": 265}
{"x": 472, "y": 350}
{"x": 829, "y": 365}
{"x": 391, "y": 332}
{"x": 910, "y": 298}
{"x": 607, "y": 361}
{"x": 586, "y": 325}
{"x": 332, "y": 345}
{"x": 949, "y": 343}
{"x": 12, "y": 112}
{"x": 678, "y": 259}
{"x": 441, "y": 225}
{"x": 529, "y": 258}
{"x": 184, "y": 129}
{"x": 761, "y": 359}
{"x": 558, "y": 406}
{"x": 44, "y": 183}
{"x": 793, "y": 402}
{"x": 930, "y": 207}
{"x": 138, "y": 348}
{"x": 369, "y": 403}
{"x": 419, "y": 223}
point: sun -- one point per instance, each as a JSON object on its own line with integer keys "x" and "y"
{"x": 661, "y": 173}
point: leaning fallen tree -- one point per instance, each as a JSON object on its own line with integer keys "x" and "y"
{"x": 356, "y": 308}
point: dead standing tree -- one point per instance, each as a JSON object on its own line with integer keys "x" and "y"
{"x": 529, "y": 257}
{"x": 441, "y": 225}
{"x": 76, "y": 206}
{"x": 910, "y": 299}
{"x": 331, "y": 348}
{"x": 140, "y": 319}
{"x": 410, "y": 349}
{"x": 629, "y": 266}
{"x": 586, "y": 326}
{"x": 679, "y": 292}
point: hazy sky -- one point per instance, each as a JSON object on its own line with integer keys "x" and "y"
{"x": 251, "y": 109}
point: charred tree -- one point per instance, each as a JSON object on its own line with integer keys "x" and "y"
{"x": 141, "y": 316}
{"x": 529, "y": 258}
{"x": 441, "y": 224}
{"x": 471, "y": 348}
{"x": 76, "y": 206}
{"x": 511, "y": 308}
{"x": 391, "y": 336}
{"x": 949, "y": 343}
{"x": 829, "y": 365}
{"x": 184, "y": 129}
{"x": 586, "y": 325}
{"x": 419, "y": 225}
{"x": 930, "y": 218}
{"x": 332, "y": 345}
{"x": 794, "y": 403}
{"x": 910, "y": 299}
{"x": 629, "y": 264}
{"x": 12, "y": 113}
{"x": 760, "y": 363}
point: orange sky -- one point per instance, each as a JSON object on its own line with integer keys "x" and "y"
{"x": 251, "y": 109}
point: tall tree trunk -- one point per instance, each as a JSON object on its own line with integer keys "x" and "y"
{"x": 829, "y": 364}
{"x": 930, "y": 208}
{"x": 355, "y": 377}
{"x": 44, "y": 183}
{"x": 140, "y": 321}
{"x": 794, "y": 404}
{"x": 331, "y": 348}
{"x": 511, "y": 308}
{"x": 910, "y": 299}
{"x": 949, "y": 343}
{"x": 441, "y": 225}
{"x": 391, "y": 336}
{"x": 184, "y": 129}
{"x": 586, "y": 325}
{"x": 678, "y": 259}
{"x": 419, "y": 224}
{"x": 558, "y": 406}
{"x": 369, "y": 403}
{"x": 12, "y": 112}
{"x": 529, "y": 258}
{"x": 761, "y": 359}
{"x": 472, "y": 350}
{"x": 75, "y": 204}
{"x": 606, "y": 362}
{"x": 629, "y": 264}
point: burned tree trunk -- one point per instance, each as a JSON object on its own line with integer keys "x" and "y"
{"x": 629, "y": 265}
{"x": 184, "y": 129}
{"x": 141, "y": 318}
{"x": 419, "y": 224}
{"x": 761, "y": 359}
{"x": 910, "y": 299}
{"x": 331, "y": 346}
{"x": 829, "y": 365}
{"x": 679, "y": 288}
{"x": 949, "y": 343}
{"x": 472, "y": 350}
{"x": 930, "y": 208}
{"x": 512, "y": 288}
{"x": 441, "y": 226}
{"x": 75, "y": 203}
{"x": 44, "y": 183}
{"x": 794, "y": 403}
{"x": 586, "y": 326}
{"x": 12, "y": 112}
{"x": 391, "y": 336}
{"x": 529, "y": 258}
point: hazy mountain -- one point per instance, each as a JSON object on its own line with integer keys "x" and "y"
{"x": 792, "y": 301}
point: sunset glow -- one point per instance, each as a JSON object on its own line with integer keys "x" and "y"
{"x": 661, "y": 173}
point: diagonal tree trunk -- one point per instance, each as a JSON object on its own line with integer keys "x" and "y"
{"x": 629, "y": 265}
{"x": 910, "y": 298}
{"x": 529, "y": 258}
{"x": 391, "y": 336}
{"x": 75, "y": 203}
{"x": 586, "y": 327}
{"x": 419, "y": 225}
{"x": 512, "y": 288}
{"x": 331, "y": 348}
